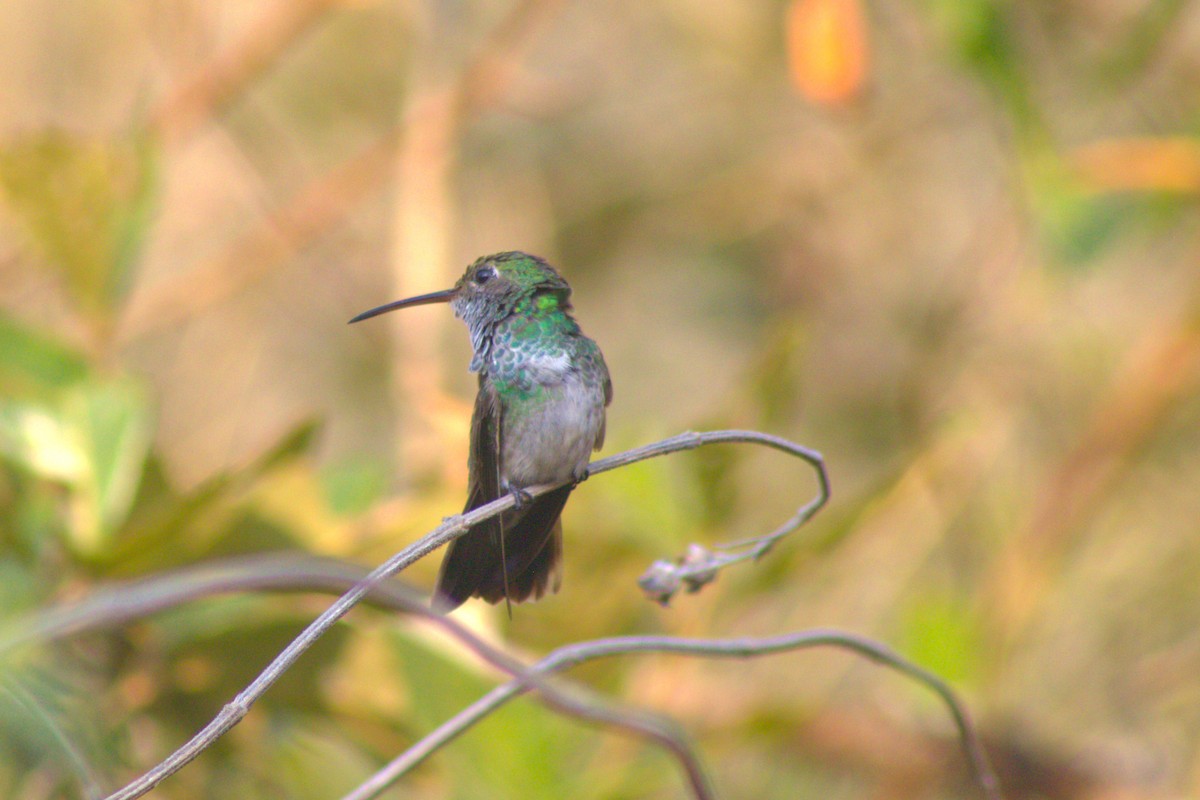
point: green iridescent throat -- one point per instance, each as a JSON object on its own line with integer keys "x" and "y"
{"x": 537, "y": 332}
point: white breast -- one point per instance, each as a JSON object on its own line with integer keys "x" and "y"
{"x": 547, "y": 368}
{"x": 555, "y": 440}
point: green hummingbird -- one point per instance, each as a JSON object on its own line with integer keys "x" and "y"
{"x": 539, "y": 413}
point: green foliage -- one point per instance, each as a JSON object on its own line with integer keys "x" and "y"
{"x": 942, "y": 633}
{"x": 946, "y": 247}
{"x": 83, "y": 494}
{"x": 980, "y": 33}
{"x": 85, "y": 206}
{"x": 110, "y": 426}
{"x": 1077, "y": 224}
{"x": 521, "y": 751}
{"x": 88, "y": 435}
{"x": 34, "y": 364}
{"x": 353, "y": 484}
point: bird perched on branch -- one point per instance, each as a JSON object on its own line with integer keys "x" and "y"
{"x": 539, "y": 413}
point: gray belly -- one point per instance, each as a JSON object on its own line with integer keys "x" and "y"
{"x": 553, "y": 439}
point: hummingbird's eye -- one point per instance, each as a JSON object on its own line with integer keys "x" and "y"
{"x": 484, "y": 274}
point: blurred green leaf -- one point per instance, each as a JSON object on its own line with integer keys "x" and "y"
{"x": 295, "y": 442}
{"x": 112, "y": 425}
{"x": 353, "y": 485}
{"x": 941, "y": 632}
{"x": 1076, "y": 223}
{"x": 32, "y": 521}
{"x": 84, "y": 204}
{"x": 34, "y": 364}
{"x": 983, "y": 36}
{"x": 164, "y": 517}
{"x": 40, "y": 441}
{"x": 94, "y": 441}
{"x": 521, "y": 750}
{"x": 19, "y": 589}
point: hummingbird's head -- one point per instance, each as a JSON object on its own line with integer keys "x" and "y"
{"x": 492, "y": 288}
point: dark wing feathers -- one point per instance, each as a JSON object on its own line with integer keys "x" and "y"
{"x": 533, "y": 545}
{"x": 532, "y": 534}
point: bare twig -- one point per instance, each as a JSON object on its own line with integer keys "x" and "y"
{"x": 449, "y": 530}
{"x": 115, "y": 605}
{"x": 122, "y": 603}
{"x": 118, "y": 604}
{"x": 662, "y": 731}
{"x": 572, "y": 655}
{"x": 699, "y": 565}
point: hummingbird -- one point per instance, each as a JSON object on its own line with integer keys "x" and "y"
{"x": 539, "y": 414}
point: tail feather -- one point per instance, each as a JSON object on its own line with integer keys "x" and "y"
{"x": 544, "y": 573}
{"x": 532, "y": 545}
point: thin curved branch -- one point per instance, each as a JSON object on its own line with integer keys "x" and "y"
{"x": 449, "y": 530}
{"x": 116, "y": 604}
{"x": 572, "y": 655}
{"x": 121, "y": 603}
{"x": 700, "y": 565}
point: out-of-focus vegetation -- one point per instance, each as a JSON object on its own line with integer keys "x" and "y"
{"x": 953, "y": 244}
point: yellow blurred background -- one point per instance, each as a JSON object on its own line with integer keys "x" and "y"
{"x": 952, "y": 244}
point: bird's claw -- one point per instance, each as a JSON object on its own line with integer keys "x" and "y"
{"x": 521, "y": 498}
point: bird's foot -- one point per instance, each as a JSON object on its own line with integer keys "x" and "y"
{"x": 521, "y": 498}
{"x": 580, "y": 475}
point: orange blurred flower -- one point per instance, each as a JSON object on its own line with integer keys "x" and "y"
{"x": 827, "y": 49}
{"x": 1168, "y": 164}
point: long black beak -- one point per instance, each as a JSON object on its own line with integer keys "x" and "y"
{"x": 444, "y": 296}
